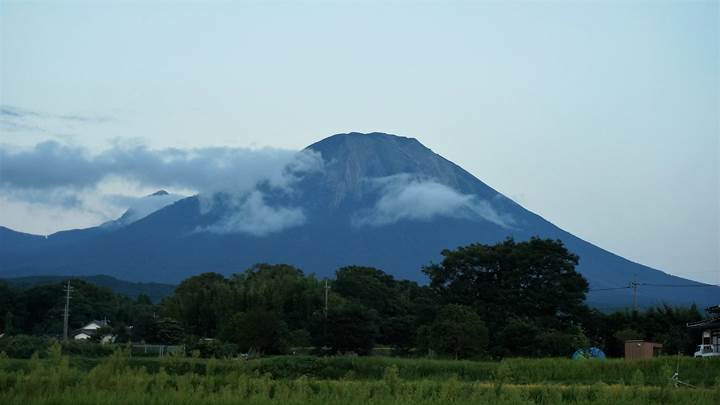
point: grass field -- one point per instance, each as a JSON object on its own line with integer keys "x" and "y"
{"x": 120, "y": 379}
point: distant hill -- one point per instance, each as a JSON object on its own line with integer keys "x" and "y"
{"x": 156, "y": 291}
{"x": 381, "y": 200}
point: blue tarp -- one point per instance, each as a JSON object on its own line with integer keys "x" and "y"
{"x": 589, "y": 353}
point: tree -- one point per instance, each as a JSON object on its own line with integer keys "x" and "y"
{"x": 401, "y": 306}
{"x": 100, "y": 333}
{"x": 143, "y": 328}
{"x": 517, "y": 338}
{"x": 458, "y": 331}
{"x": 556, "y": 343}
{"x": 369, "y": 287}
{"x": 44, "y": 306}
{"x": 260, "y": 331}
{"x": 168, "y": 332}
{"x": 351, "y": 328}
{"x": 279, "y": 288}
{"x": 200, "y": 303}
{"x": 534, "y": 279}
{"x": 399, "y": 331}
{"x": 11, "y": 306}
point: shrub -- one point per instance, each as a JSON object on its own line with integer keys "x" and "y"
{"x": 86, "y": 349}
{"x": 23, "y": 346}
{"x": 638, "y": 378}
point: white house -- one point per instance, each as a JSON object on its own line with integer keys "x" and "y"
{"x": 710, "y": 344}
{"x": 81, "y": 336}
{"x": 89, "y": 330}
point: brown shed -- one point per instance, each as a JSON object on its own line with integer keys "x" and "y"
{"x": 639, "y": 349}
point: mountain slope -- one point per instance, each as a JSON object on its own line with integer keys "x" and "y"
{"x": 155, "y": 291}
{"x": 381, "y": 200}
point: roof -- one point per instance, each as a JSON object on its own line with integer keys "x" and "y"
{"x": 711, "y": 323}
{"x": 98, "y": 323}
{"x": 645, "y": 342}
{"x": 713, "y": 310}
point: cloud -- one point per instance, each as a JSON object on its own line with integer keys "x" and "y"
{"x": 53, "y": 165}
{"x": 250, "y": 214}
{"x": 10, "y": 113}
{"x": 404, "y": 197}
{"x": 139, "y": 208}
{"x": 70, "y": 177}
{"x": 43, "y": 218}
{"x": 15, "y": 112}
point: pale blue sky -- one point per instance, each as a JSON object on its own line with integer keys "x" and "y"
{"x": 603, "y": 117}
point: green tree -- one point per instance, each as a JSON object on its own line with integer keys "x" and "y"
{"x": 168, "y": 332}
{"x": 512, "y": 277}
{"x": 44, "y": 306}
{"x": 260, "y": 331}
{"x": 518, "y": 337}
{"x": 369, "y": 287}
{"x": 534, "y": 279}
{"x": 458, "y": 331}
{"x": 555, "y": 343}
{"x": 401, "y": 306}
{"x": 200, "y": 304}
{"x": 11, "y": 305}
{"x": 279, "y": 288}
{"x": 351, "y": 328}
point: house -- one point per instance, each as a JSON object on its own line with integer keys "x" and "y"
{"x": 640, "y": 349}
{"x": 710, "y": 328}
{"x": 81, "y": 336}
{"x": 91, "y": 329}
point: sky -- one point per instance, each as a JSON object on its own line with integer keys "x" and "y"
{"x": 602, "y": 117}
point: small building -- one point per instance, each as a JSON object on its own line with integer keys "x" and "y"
{"x": 710, "y": 328}
{"x": 640, "y": 349}
{"x": 91, "y": 329}
{"x": 81, "y": 336}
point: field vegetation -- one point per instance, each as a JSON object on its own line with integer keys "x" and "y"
{"x": 120, "y": 378}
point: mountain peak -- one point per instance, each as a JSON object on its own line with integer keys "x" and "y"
{"x": 359, "y": 139}
{"x": 351, "y": 159}
{"x": 158, "y": 193}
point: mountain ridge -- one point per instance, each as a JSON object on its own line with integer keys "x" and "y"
{"x": 402, "y": 188}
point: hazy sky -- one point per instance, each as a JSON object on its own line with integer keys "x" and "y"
{"x": 603, "y": 117}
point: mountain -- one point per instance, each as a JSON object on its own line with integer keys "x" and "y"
{"x": 143, "y": 207}
{"x": 156, "y": 291}
{"x": 379, "y": 200}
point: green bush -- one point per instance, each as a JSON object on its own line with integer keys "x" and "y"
{"x": 87, "y": 349}
{"x": 23, "y": 346}
{"x": 207, "y": 348}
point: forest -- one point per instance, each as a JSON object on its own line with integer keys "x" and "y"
{"x": 510, "y": 299}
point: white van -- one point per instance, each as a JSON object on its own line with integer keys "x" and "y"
{"x": 706, "y": 351}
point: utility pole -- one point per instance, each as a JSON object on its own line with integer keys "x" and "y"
{"x": 325, "y": 334}
{"x": 327, "y": 289}
{"x": 68, "y": 289}
{"x": 634, "y": 285}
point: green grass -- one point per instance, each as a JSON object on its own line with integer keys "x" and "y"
{"x": 656, "y": 372}
{"x": 353, "y": 380}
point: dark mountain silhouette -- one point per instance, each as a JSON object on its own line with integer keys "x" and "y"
{"x": 155, "y": 291}
{"x": 381, "y": 200}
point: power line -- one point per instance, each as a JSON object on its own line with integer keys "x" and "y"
{"x": 609, "y": 289}
{"x": 656, "y": 285}
{"x": 681, "y": 285}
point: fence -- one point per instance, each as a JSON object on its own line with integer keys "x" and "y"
{"x": 156, "y": 350}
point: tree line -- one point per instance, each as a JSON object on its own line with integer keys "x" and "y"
{"x": 482, "y": 301}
